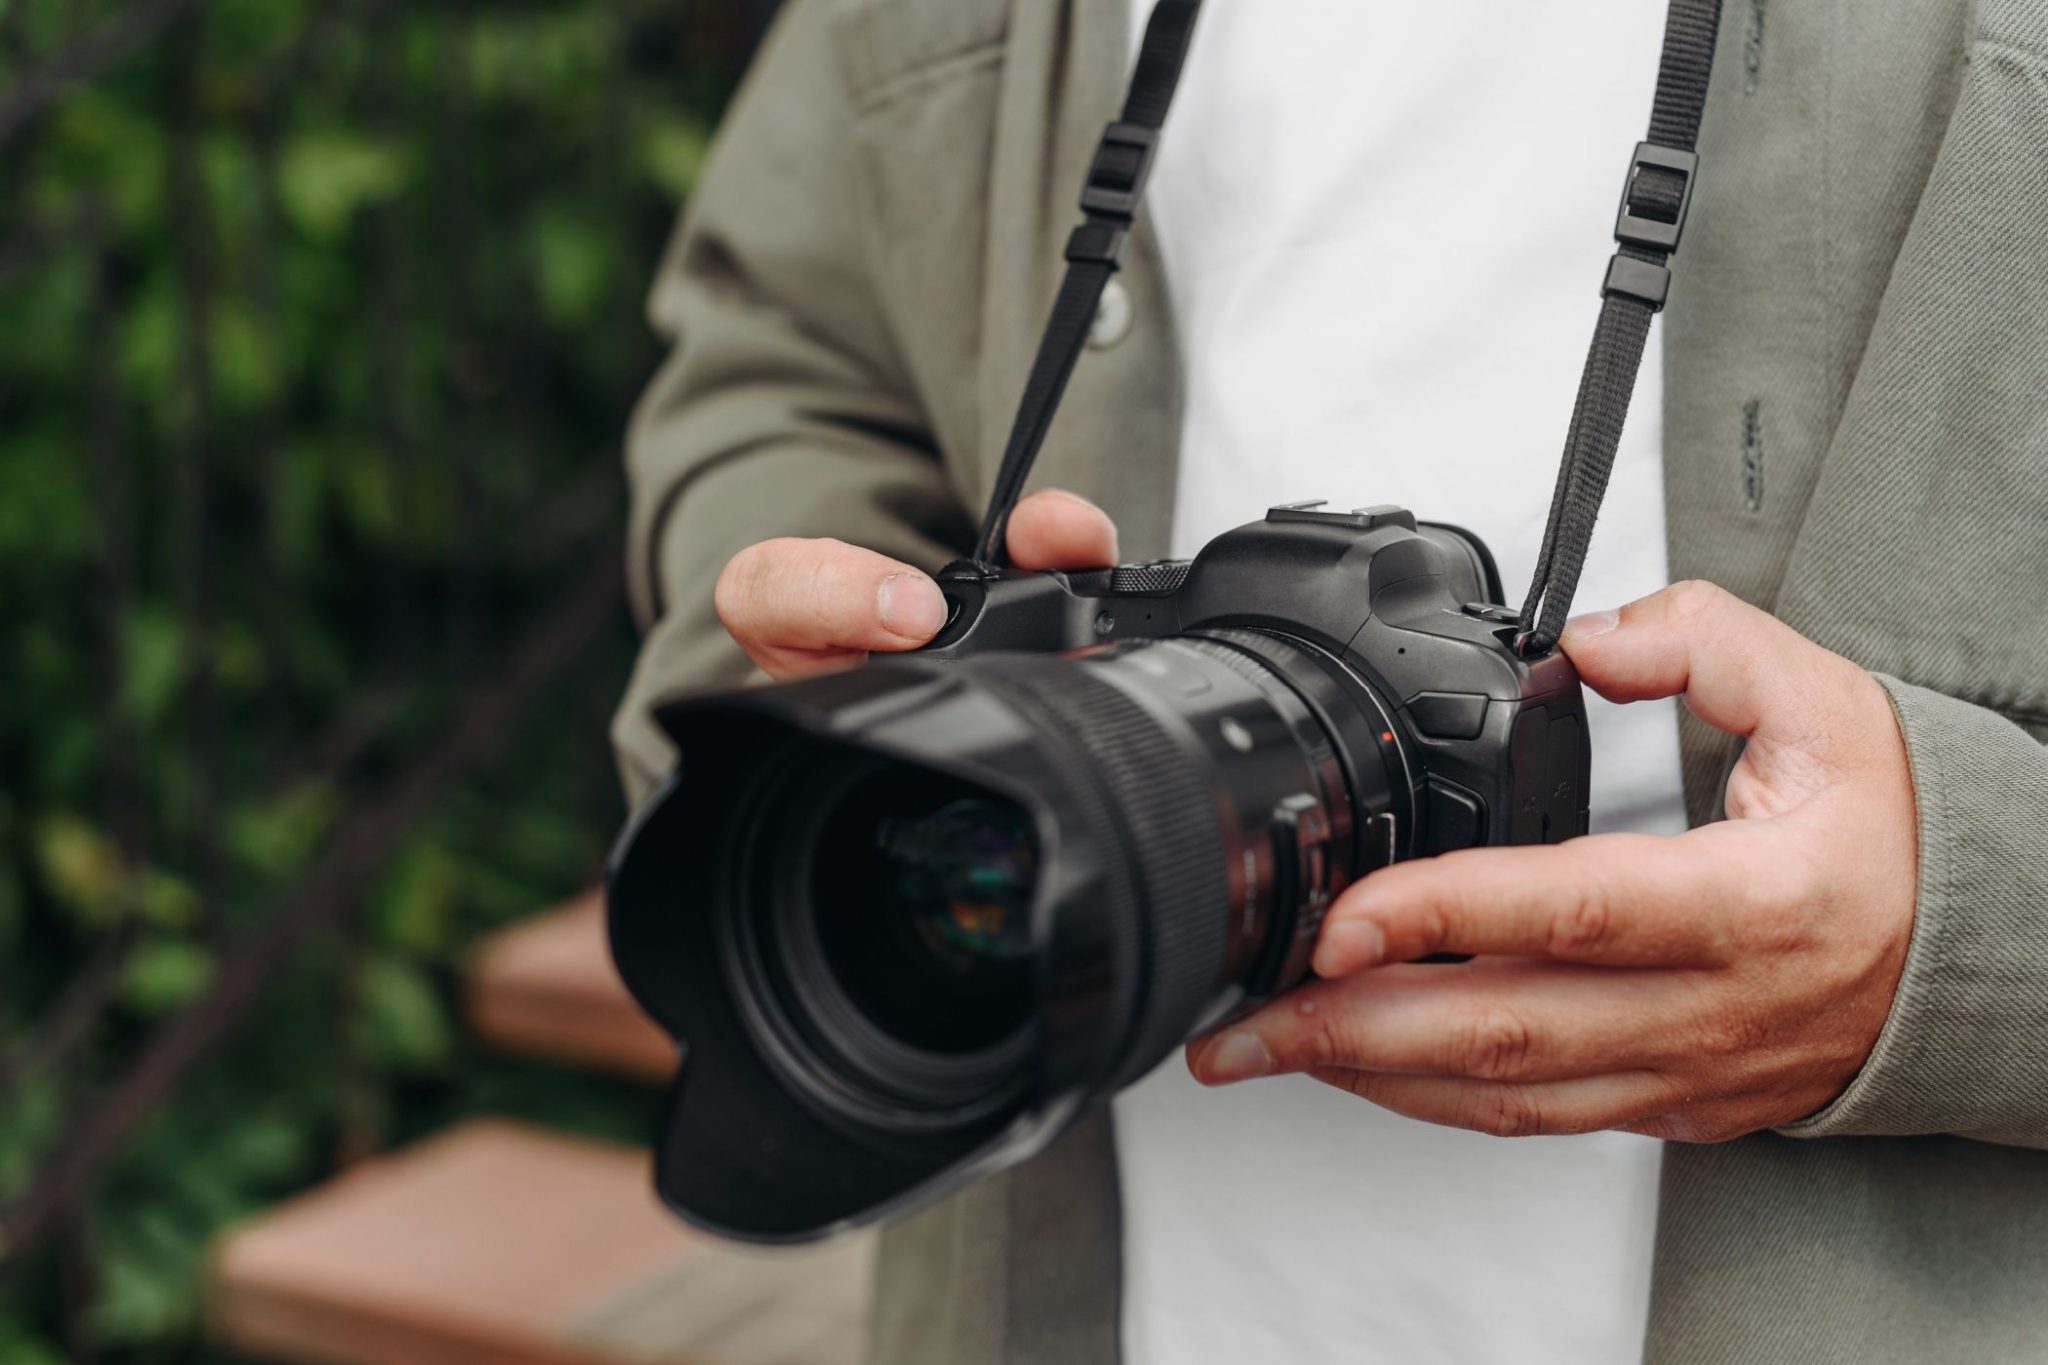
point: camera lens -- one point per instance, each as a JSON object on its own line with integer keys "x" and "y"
{"x": 921, "y": 892}
{"x": 934, "y": 909}
{"x": 885, "y": 953}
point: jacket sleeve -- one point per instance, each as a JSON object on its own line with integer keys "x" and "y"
{"x": 783, "y": 408}
{"x": 1965, "y": 1050}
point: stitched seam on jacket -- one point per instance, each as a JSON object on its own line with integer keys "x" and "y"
{"x": 2019, "y": 711}
{"x": 910, "y": 82}
{"x": 2019, "y": 49}
{"x": 1936, "y": 965}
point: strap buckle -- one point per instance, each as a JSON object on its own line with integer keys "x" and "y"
{"x": 1638, "y": 229}
{"x": 1122, "y": 165}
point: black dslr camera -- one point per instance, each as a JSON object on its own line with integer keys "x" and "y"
{"x": 908, "y": 921}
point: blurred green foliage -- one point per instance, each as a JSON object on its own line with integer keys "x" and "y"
{"x": 319, "y": 320}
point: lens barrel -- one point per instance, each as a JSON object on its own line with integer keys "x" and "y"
{"x": 935, "y": 908}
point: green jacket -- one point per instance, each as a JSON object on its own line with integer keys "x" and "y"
{"x": 1856, "y": 438}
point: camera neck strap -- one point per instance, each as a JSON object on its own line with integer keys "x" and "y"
{"x": 1095, "y": 252}
{"x": 1655, "y": 199}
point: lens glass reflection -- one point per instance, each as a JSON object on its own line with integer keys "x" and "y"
{"x": 922, "y": 887}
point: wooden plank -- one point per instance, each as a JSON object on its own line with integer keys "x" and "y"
{"x": 498, "y": 1243}
{"x": 547, "y": 988}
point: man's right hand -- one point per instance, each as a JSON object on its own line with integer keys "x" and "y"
{"x": 807, "y": 606}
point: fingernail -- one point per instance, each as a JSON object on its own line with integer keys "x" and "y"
{"x": 911, "y": 606}
{"x": 1591, "y": 624}
{"x": 1235, "y": 1057}
{"x": 1348, "y": 946}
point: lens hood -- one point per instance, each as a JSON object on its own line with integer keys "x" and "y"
{"x": 758, "y": 1141}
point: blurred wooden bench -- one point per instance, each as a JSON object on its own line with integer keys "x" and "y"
{"x": 546, "y": 988}
{"x": 495, "y": 1242}
{"x": 499, "y": 1244}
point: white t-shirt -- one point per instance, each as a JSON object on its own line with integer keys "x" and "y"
{"x": 1384, "y": 229}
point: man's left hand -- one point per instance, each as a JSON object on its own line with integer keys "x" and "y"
{"x": 1696, "y": 987}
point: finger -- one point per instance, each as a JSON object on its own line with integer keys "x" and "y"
{"x": 1622, "y": 900}
{"x": 1531, "y": 1022}
{"x": 1739, "y": 669}
{"x": 1056, "y": 529}
{"x": 792, "y": 602}
{"x": 1590, "y": 1104}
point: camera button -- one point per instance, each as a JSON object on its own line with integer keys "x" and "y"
{"x": 1496, "y": 615}
{"x": 1448, "y": 715}
{"x": 1456, "y": 818}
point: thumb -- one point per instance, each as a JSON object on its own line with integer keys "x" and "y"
{"x": 1056, "y": 529}
{"x": 1739, "y": 669}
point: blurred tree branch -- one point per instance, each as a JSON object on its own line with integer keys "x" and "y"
{"x": 85, "y": 59}
{"x": 357, "y": 851}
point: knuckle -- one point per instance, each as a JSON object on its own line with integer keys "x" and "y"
{"x": 1585, "y": 926}
{"x": 1497, "y": 1045}
{"x": 1694, "y": 600}
{"x": 1507, "y": 1111}
{"x": 1321, "y": 1039}
{"x": 1432, "y": 927}
{"x": 1736, "y": 1034}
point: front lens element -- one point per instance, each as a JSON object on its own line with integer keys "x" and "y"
{"x": 962, "y": 876}
{"x": 922, "y": 889}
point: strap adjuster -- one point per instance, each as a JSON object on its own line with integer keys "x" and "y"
{"x": 1639, "y": 280}
{"x": 1122, "y": 165}
{"x": 1636, "y": 229}
{"x": 1099, "y": 244}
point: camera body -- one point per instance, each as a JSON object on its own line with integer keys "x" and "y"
{"x": 909, "y": 921}
{"x": 1495, "y": 745}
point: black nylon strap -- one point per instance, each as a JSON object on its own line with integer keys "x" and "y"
{"x": 1115, "y": 188}
{"x": 1649, "y": 225}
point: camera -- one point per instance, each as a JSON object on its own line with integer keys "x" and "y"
{"x": 909, "y": 921}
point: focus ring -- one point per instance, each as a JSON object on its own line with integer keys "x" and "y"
{"x": 1167, "y": 815}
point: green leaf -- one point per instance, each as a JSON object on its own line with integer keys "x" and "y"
{"x": 27, "y": 1123}
{"x": 405, "y": 1025}
{"x": 163, "y": 974}
{"x": 146, "y": 1283}
{"x": 247, "y": 359}
{"x": 368, "y": 489}
{"x": 421, "y": 895}
{"x": 82, "y": 868}
{"x": 17, "y": 1347}
{"x": 276, "y": 836}
{"x": 328, "y": 177}
{"x": 154, "y": 652}
{"x": 574, "y": 255}
{"x": 167, "y": 901}
{"x": 672, "y": 154}
{"x": 151, "y": 338}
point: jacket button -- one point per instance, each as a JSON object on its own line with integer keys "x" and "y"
{"x": 1113, "y": 317}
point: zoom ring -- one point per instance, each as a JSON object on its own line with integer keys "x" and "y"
{"x": 1166, "y": 813}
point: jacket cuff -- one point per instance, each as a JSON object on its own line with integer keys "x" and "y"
{"x": 1965, "y": 1049}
